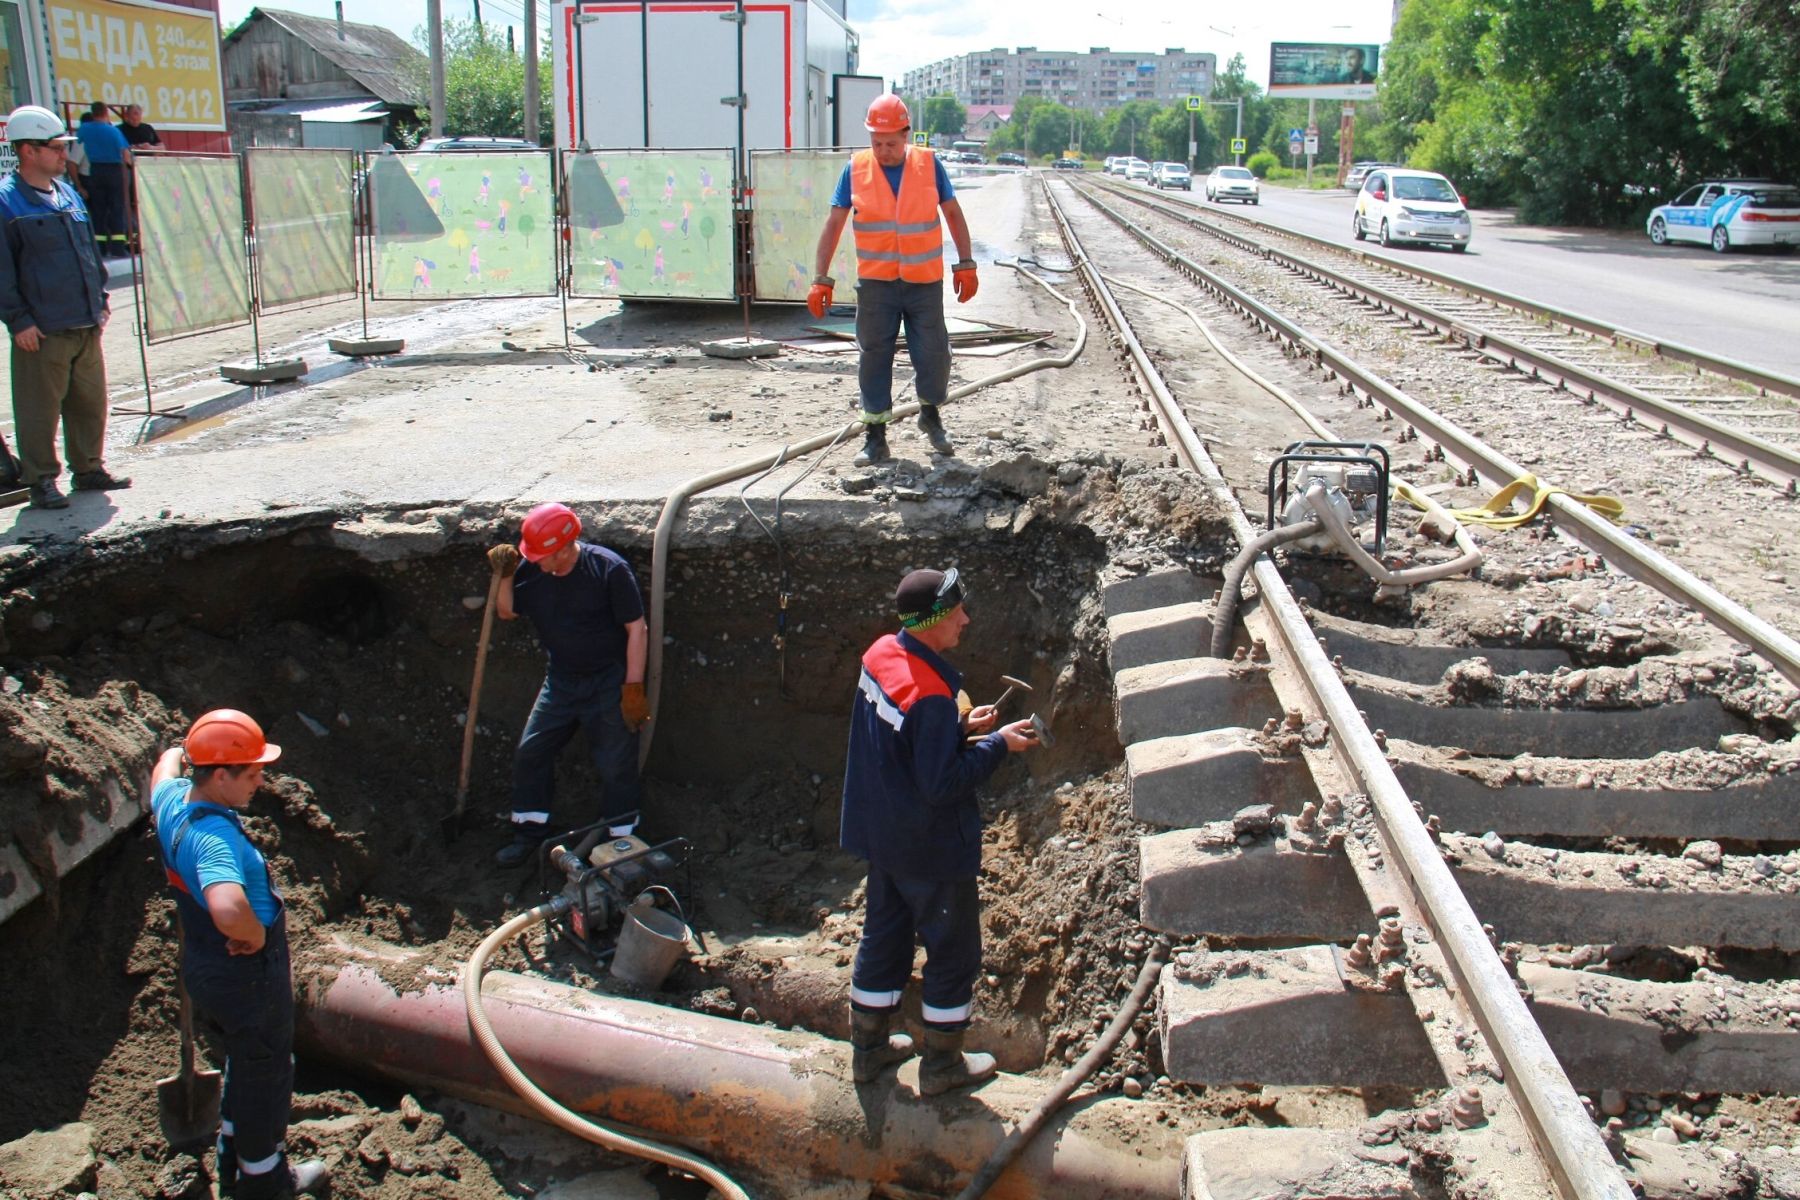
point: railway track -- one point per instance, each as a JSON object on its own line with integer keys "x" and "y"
{"x": 1497, "y": 874}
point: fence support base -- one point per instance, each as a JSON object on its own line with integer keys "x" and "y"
{"x": 274, "y": 371}
{"x": 366, "y": 347}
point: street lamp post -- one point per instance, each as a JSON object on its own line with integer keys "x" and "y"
{"x": 1238, "y": 136}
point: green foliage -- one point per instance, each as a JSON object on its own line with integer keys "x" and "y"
{"x": 1261, "y": 163}
{"x": 942, "y": 114}
{"x": 527, "y": 225}
{"x": 484, "y": 85}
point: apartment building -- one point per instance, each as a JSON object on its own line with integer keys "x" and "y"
{"x": 1097, "y": 80}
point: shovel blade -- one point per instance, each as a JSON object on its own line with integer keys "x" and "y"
{"x": 188, "y": 1107}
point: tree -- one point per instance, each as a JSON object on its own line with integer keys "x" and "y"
{"x": 484, "y": 84}
{"x": 942, "y": 114}
{"x": 527, "y": 224}
{"x": 1051, "y": 125}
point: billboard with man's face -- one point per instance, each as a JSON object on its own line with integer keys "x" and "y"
{"x": 1323, "y": 70}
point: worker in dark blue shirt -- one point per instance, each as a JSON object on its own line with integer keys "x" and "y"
{"x": 584, "y": 603}
{"x": 108, "y": 155}
{"x": 234, "y": 946}
{"x": 910, "y": 810}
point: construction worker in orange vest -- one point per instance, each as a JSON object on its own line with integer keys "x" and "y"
{"x": 895, "y": 191}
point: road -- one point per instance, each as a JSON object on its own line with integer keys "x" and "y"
{"x": 1744, "y": 305}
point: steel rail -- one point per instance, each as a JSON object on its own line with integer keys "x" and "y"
{"x": 1572, "y": 1149}
{"x": 1779, "y": 465}
{"x": 1765, "y": 381}
{"x": 1618, "y": 547}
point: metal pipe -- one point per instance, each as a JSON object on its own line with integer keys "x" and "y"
{"x": 769, "y": 1103}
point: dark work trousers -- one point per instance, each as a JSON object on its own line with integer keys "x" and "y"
{"x": 590, "y": 703}
{"x": 946, "y": 917}
{"x": 106, "y": 206}
{"x": 250, "y": 997}
{"x": 882, "y": 306}
{"x": 64, "y": 379}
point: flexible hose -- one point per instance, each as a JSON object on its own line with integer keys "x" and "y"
{"x": 677, "y": 501}
{"x": 1074, "y": 1077}
{"x": 1391, "y": 581}
{"x": 542, "y": 1101}
{"x": 1225, "y": 612}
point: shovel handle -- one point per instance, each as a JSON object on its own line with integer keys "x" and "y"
{"x": 481, "y": 648}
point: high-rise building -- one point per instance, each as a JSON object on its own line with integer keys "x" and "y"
{"x": 1097, "y": 80}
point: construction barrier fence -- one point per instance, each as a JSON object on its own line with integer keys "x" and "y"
{"x": 300, "y": 208}
{"x": 646, "y": 223}
{"x": 196, "y": 269}
{"x": 792, "y": 199}
{"x": 462, "y": 225}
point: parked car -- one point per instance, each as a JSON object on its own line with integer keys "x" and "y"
{"x": 1171, "y": 175}
{"x": 1136, "y": 168}
{"x": 1010, "y": 159}
{"x": 1360, "y": 171}
{"x": 1233, "y": 183}
{"x": 1399, "y": 205}
{"x": 1068, "y": 164}
{"x": 1724, "y": 213}
{"x": 491, "y": 145}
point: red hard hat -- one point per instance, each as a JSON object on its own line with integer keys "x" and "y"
{"x": 887, "y": 114}
{"x": 226, "y": 737}
{"x": 547, "y": 529}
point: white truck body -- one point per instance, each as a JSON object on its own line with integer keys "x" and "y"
{"x": 661, "y": 74}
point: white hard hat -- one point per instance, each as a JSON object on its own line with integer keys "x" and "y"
{"x": 32, "y": 123}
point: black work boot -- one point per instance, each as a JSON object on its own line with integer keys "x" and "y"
{"x": 288, "y": 1179}
{"x": 527, "y": 837}
{"x": 875, "y": 447}
{"x": 872, "y": 1047}
{"x": 932, "y": 426}
{"x": 99, "y": 480}
{"x": 945, "y": 1066}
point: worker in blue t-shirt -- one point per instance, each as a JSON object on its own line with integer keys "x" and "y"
{"x": 234, "y": 947}
{"x": 108, "y": 154}
{"x": 584, "y": 603}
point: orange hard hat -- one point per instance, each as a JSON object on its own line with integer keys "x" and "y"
{"x": 887, "y": 114}
{"x": 226, "y": 737}
{"x": 547, "y": 529}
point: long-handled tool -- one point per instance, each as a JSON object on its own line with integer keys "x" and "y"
{"x": 453, "y": 824}
{"x": 187, "y": 1102}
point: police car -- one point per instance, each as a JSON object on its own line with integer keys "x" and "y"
{"x": 1724, "y": 213}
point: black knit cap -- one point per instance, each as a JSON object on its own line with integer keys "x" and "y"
{"x": 923, "y": 597}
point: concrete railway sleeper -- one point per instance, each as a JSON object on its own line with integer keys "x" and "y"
{"x": 1598, "y": 857}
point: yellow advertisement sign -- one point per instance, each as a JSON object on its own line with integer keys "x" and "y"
{"x": 163, "y": 58}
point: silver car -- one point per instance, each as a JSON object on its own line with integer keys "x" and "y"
{"x": 1233, "y": 183}
{"x": 1400, "y": 206}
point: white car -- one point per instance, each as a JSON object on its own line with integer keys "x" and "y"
{"x": 1724, "y": 213}
{"x": 1233, "y": 183}
{"x": 1112, "y": 162}
{"x": 1136, "y": 168}
{"x": 1399, "y": 206}
{"x": 1171, "y": 175}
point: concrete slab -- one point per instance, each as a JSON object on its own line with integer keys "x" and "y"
{"x": 1159, "y": 589}
{"x": 18, "y": 885}
{"x": 1284, "y": 1017}
{"x": 1292, "y": 1164}
{"x": 1199, "y": 777}
{"x": 1569, "y": 898}
{"x": 741, "y": 348}
{"x": 1183, "y": 695}
{"x": 1202, "y": 881}
{"x": 1409, "y": 655}
{"x": 1690, "y": 1172}
{"x": 122, "y": 812}
{"x": 1152, "y": 635}
{"x": 1760, "y": 810}
{"x": 273, "y": 371}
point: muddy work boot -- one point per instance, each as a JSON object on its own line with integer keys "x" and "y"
{"x": 288, "y": 1179}
{"x": 932, "y": 426}
{"x": 527, "y": 837}
{"x": 99, "y": 480}
{"x": 945, "y": 1066}
{"x": 45, "y": 494}
{"x": 872, "y": 1047}
{"x": 875, "y": 447}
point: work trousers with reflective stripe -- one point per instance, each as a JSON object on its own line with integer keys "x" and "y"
{"x": 64, "y": 379}
{"x": 566, "y": 703}
{"x": 108, "y": 208}
{"x": 250, "y": 998}
{"x": 943, "y": 915}
{"x": 882, "y": 307}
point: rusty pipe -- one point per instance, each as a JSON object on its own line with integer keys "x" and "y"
{"x": 769, "y": 1103}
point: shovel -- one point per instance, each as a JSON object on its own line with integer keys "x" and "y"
{"x": 453, "y": 824}
{"x": 188, "y": 1101}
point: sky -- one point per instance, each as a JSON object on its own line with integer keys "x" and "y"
{"x": 898, "y": 35}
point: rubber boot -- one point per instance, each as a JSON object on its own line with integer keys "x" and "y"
{"x": 872, "y": 1047}
{"x": 932, "y": 426}
{"x": 288, "y": 1179}
{"x": 875, "y": 447}
{"x": 945, "y": 1066}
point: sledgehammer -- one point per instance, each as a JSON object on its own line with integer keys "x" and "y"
{"x": 1013, "y": 684}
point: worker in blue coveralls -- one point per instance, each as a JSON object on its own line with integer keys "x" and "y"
{"x": 910, "y": 810}
{"x": 234, "y": 946}
{"x": 584, "y": 603}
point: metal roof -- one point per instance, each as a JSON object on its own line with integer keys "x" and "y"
{"x": 334, "y": 112}
{"x": 379, "y": 59}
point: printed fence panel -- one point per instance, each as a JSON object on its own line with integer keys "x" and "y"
{"x": 793, "y": 198}
{"x": 191, "y": 225}
{"x": 650, "y": 223}
{"x": 305, "y": 241}
{"x": 454, "y": 225}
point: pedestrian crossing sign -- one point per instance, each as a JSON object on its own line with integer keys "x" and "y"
{"x": 1238, "y": 145}
{"x": 1194, "y": 104}
{"x": 920, "y": 138}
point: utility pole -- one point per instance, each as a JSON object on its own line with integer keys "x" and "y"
{"x": 532, "y": 100}
{"x": 1238, "y": 136}
{"x": 480, "y": 33}
{"x": 434, "y": 46}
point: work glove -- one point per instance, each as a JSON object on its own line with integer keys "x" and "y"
{"x": 633, "y": 706}
{"x": 818, "y": 300}
{"x": 962, "y": 278}
{"x": 504, "y": 558}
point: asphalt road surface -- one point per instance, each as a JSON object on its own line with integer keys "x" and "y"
{"x": 1743, "y": 305}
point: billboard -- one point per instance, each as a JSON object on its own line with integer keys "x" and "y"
{"x": 161, "y": 57}
{"x": 1323, "y": 70}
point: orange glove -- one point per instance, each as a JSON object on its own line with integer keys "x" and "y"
{"x": 962, "y": 278}
{"x": 818, "y": 300}
{"x": 633, "y": 706}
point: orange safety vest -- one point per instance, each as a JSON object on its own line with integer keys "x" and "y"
{"x": 897, "y": 237}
